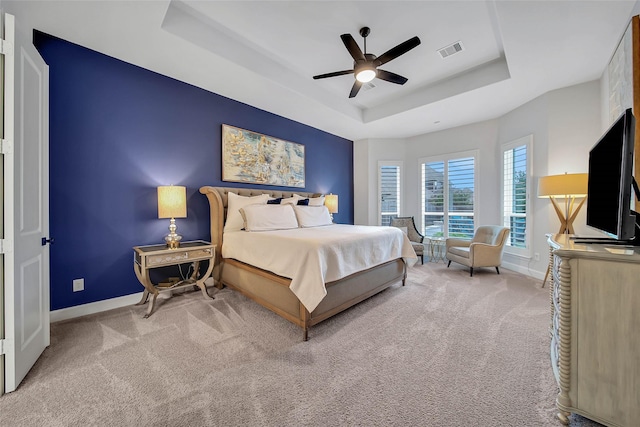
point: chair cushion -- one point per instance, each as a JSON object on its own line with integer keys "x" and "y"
{"x": 460, "y": 251}
{"x": 408, "y": 222}
{"x": 488, "y": 234}
{"x": 418, "y": 248}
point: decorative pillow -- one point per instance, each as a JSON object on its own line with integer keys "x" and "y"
{"x": 316, "y": 201}
{"x": 303, "y": 202}
{"x": 291, "y": 200}
{"x": 234, "y": 204}
{"x": 312, "y": 216}
{"x": 266, "y": 218}
{"x": 274, "y": 201}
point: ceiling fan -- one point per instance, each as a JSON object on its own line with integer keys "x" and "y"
{"x": 365, "y": 65}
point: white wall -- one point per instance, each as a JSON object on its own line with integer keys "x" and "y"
{"x": 564, "y": 123}
{"x": 366, "y": 154}
{"x": 478, "y": 136}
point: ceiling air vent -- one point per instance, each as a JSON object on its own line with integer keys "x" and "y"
{"x": 367, "y": 86}
{"x": 451, "y": 49}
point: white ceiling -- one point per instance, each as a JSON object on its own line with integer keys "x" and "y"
{"x": 264, "y": 53}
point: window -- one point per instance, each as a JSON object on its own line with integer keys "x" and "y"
{"x": 448, "y": 195}
{"x": 389, "y": 184}
{"x": 516, "y": 171}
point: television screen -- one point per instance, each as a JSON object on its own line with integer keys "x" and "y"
{"x": 610, "y": 180}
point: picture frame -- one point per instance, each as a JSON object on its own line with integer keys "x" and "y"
{"x": 254, "y": 158}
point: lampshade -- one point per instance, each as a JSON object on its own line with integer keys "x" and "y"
{"x": 172, "y": 201}
{"x": 331, "y": 202}
{"x": 570, "y": 185}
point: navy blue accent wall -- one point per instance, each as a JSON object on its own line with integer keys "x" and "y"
{"x": 117, "y": 131}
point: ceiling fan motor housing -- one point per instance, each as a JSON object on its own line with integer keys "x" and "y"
{"x": 367, "y": 64}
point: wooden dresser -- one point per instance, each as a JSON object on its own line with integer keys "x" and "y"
{"x": 595, "y": 331}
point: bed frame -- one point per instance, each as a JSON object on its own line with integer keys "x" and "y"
{"x": 272, "y": 291}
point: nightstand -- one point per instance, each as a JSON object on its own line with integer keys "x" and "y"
{"x": 146, "y": 258}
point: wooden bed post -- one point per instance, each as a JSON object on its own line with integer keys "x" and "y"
{"x": 217, "y": 211}
{"x": 306, "y": 318}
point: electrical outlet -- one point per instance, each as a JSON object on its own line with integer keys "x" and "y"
{"x": 536, "y": 256}
{"x": 78, "y": 285}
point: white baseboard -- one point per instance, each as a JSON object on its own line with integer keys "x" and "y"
{"x": 94, "y": 307}
{"x": 523, "y": 270}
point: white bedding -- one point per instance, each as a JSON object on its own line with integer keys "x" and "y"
{"x": 311, "y": 257}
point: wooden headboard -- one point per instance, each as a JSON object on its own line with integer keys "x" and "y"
{"x": 218, "y": 200}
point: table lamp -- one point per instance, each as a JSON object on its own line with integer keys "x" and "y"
{"x": 331, "y": 202}
{"x": 172, "y": 203}
{"x": 569, "y": 187}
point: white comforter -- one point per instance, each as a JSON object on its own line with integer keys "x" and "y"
{"x": 311, "y": 257}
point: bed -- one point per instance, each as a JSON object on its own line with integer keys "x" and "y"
{"x": 273, "y": 291}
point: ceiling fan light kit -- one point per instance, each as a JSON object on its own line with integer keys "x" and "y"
{"x": 365, "y": 75}
{"x": 365, "y": 65}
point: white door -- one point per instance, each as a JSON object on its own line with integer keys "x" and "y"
{"x": 25, "y": 152}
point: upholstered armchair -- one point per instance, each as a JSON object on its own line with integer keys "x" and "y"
{"x": 484, "y": 250}
{"x": 406, "y": 223}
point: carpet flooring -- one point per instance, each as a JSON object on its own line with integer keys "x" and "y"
{"x": 444, "y": 350}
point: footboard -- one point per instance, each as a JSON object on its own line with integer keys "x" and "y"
{"x": 272, "y": 291}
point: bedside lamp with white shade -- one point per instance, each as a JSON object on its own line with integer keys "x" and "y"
{"x": 172, "y": 203}
{"x": 331, "y": 202}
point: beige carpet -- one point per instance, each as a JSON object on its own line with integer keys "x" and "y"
{"x": 445, "y": 350}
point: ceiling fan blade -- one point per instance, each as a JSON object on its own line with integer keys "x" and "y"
{"x": 394, "y": 52}
{"x": 352, "y": 47}
{"x": 355, "y": 89}
{"x": 334, "y": 74}
{"x": 391, "y": 77}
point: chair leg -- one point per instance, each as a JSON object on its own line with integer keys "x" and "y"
{"x": 497, "y": 270}
{"x": 470, "y": 271}
{"x": 422, "y": 259}
{"x": 449, "y": 264}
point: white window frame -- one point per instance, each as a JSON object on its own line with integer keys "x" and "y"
{"x": 527, "y": 141}
{"x": 476, "y": 179}
{"x": 399, "y": 164}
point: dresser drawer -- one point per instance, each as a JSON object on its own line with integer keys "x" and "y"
{"x": 178, "y": 257}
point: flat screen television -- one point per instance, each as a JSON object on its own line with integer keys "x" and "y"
{"x": 611, "y": 183}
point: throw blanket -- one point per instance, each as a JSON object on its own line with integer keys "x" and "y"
{"x": 311, "y": 257}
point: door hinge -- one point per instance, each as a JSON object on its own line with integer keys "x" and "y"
{"x": 6, "y": 246}
{"x": 5, "y": 346}
{"x": 6, "y": 48}
{"x": 6, "y": 146}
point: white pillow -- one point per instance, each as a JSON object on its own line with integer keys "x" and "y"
{"x": 312, "y": 216}
{"x": 234, "y": 204}
{"x": 316, "y": 201}
{"x": 293, "y": 200}
{"x": 269, "y": 217}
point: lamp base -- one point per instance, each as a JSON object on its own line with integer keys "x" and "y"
{"x": 567, "y": 218}
{"x": 173, "y": 240}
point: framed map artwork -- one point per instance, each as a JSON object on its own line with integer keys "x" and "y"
{"x": 255, "y": 158}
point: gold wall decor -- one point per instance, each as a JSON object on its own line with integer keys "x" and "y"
{"x": 255, "y": 158}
